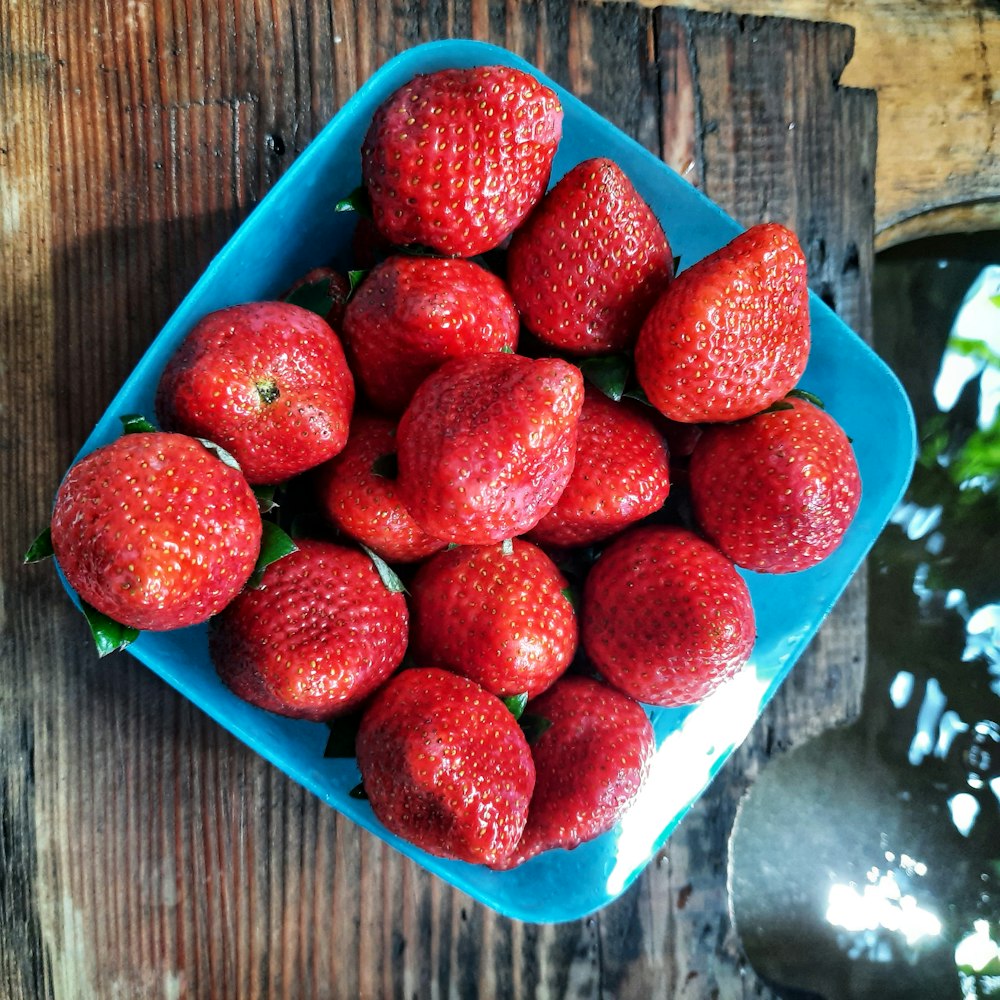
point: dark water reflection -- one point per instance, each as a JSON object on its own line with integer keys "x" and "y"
{"x": 867, "y": 863}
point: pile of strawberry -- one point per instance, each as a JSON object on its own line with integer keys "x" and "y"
{"x": 494, "y": 413}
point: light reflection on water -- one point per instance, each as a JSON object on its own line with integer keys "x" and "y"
{"x": 970, "y": 366}
{"x": 911, "y": 897}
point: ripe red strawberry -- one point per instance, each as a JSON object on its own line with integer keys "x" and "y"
{"x": 501, "y": 618}
{"x": 322, "y": 290}
{"x": 776, "y": 492}
{"x": 731, "y": 334}
{"x": 621, "y": 475}
{"x": 445, "y": 766}
{"x": 155, "y": 531}
{"x": 268, "y": 381}
{"x": 589, "y": 262}
{"x": 318, "y": 635}
{"x": 589, "y": 765}
{"x": 666, "y": 618}
{"x": 455, "y": 159}
{"x": 411, "y": 314}
{"x": 487, "y": 445}
{"x": 357, "y": 492}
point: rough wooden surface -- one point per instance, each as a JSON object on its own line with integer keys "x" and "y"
{"x": 936, "y": 68}
{"x": 143, "y": 851}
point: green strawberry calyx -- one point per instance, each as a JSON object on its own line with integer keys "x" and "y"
{"x": 314, "y": 296}
{"x": 109, "y": 636}
{"x": 40, "y": 548}
{"x": 275, "y": 544}
{"x": 136, "y": 423}
{"x": 357, "y": 201}
{"x": 515, "y": 703}
{"x": 533, "y": 726}
{"x": 388, "y": 576}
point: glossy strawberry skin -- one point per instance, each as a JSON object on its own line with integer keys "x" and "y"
{"x": 411, "y": 314}
{"x": 455, "y": 159}
{"x": 621, "y": 474}
{"x": 445, "y": 766}
{"x": 589, "y": 262}
{"x": 155, "y": 531}
{"x": 590, "y": 764}
{"x": 778, "y": 491}
{"x": 318, "y": 635}
{"x": 731, "y": 333}
{"x": 268, "y": 381}
{"x": 487, "y": 445}
{"x": 666, "y": 618}
{"x": 359, "y": 496}
{"x": 500, "y": 618}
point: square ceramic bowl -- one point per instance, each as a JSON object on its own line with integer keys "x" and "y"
{"x": 295, "y": 228}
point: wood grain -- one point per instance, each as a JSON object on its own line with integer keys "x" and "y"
{"x": 936, "y": 69}
{"x": 143, "y": 851}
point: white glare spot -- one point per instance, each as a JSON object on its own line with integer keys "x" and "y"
{"x": 977, "y": 950}
{"x": 964, "y": 810}
{"x": 901, "y": 689}
{"x": 880, "y": 906}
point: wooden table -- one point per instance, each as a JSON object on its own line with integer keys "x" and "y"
{"x": 143, "y": 851}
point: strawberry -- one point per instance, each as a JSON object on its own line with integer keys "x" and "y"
{"x": 621, "y": 475}
{"x": 445, "y": 766}
{"x": 590, "y": 763}
{"x": 666, "y": 618}
{"x": 413, "y": 313}
{"x": 268, "y": 381}
{"x": 155, "y": 531}
{"x": 455, "y": 159}
{"x": 321, "y": 290}
{"x": 589, "y": 262}
{"x": 731, "y": 334}
{"x": 776, "y": 492}
{"x": 318, "y": 635}
{"x": 357, "y": 492}
{"x": 500, "y": 617}
{"x": 487, "y": 445}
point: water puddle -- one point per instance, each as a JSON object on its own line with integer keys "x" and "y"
{"x": 867, "y": 862}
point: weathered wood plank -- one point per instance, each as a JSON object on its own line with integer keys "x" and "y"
{"x": 935, "y": 70}
{"x": 150, "y": 853}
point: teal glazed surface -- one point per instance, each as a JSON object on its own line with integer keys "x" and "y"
{"x": 295, "y": 228}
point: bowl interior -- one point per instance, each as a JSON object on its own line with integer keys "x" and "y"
{"x": 295, "y": 228}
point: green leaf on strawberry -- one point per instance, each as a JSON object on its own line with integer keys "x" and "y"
{"x": 533, "y": 726}
{"x": 608, "y": 373}
{"x": 108, "y": 634}
{"x": 40, "y": 548}
{"x": 265, "y": 495}
{"x": 386, "y": 573}
{"x": 354, "y": 278}
{"x": 314, "y": 296}
{"x": 809, "y": 397}
{"x": 515, "y": 703}
{"x": 275, "y": 543}
{"x": 357, "y": 201}
{"x": 135, "y": 423}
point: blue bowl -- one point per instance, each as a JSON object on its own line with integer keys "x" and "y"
{"x": 295, "y": 228}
